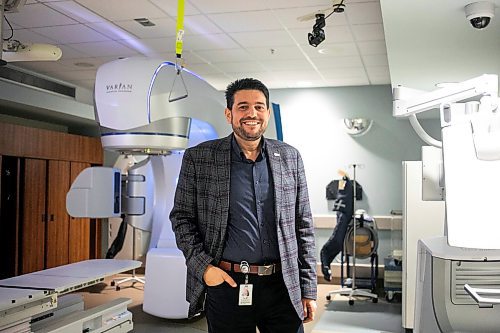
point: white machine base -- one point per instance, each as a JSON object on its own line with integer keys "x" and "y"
{"x": 166, "y": 272}
{"x": 442, "y": 304}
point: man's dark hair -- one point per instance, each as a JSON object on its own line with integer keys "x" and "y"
{"x": 244, "y": 84}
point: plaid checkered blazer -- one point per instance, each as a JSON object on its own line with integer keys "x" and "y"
{"x": 201, "y": 208}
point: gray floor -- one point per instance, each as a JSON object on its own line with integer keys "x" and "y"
{"x": 332, "y": 317}
{"x": 363, "y": 316}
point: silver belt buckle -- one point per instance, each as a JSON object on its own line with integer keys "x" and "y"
{"x": 265, "y": 270}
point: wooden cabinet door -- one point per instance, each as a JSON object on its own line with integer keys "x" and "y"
{"x": 33, "y": 217}
{"x": 79, "y": 228}
{"x": 57, "y": 231}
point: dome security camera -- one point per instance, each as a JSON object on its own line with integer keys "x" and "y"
{"x": 480, "y": 13}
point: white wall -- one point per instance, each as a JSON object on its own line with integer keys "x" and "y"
{"x": 311, "y": 121}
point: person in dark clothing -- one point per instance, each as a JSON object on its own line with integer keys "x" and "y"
{"x": 242, "y": 218}
{"x": 344, "y": 205}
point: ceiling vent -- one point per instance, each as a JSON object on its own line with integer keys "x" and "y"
{"x": 11, "y": 74}
{"x": 144, "y": 22}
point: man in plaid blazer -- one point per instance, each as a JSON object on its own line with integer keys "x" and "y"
{"x": 242, "y": 219}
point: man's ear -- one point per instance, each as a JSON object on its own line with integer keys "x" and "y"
{"x": 227, "y": 113}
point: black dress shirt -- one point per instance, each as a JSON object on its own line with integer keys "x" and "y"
{"x": 251, "y": 231}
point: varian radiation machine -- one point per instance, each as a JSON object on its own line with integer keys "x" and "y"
{"x": 149, "y": 111}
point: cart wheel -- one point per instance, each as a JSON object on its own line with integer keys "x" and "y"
{"x": 117, "y": 288}
{"x": 389, "y": 296}
{"x": 375, "y": 300}
{"x": 328, "y": 297}
{"x": 112, "y": 283}
{"x": 351, "y": 302}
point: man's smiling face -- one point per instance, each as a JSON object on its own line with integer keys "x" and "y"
{"x": 250, "y": 114}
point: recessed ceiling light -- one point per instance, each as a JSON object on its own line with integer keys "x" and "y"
{"x": 83, "y": 64}
{"x": 144, "y": 22}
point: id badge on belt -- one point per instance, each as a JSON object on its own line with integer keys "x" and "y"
{"x": 245, "y": 294}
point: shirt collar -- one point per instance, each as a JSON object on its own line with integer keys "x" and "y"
{"x": 237, "y": 150}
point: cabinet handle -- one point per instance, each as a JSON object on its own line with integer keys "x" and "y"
{"x": 51, "y": 217}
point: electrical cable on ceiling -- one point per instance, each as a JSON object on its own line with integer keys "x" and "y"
{"x": 11, "y": 29}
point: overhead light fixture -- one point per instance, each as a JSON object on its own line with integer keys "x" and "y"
{"x": 317, "y": 36}
{"x": 357, "y": 126}
{"x": 13, "y": 50}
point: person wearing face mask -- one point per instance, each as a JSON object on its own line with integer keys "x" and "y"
{"x": 242, "y": 218}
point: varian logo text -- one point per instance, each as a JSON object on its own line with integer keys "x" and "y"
{"x": 118, "y": 87}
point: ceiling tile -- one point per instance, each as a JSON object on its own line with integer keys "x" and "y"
{"x": 209, "y": 42}
{"x": 377, "y": 70}
{"x": 111, "y": 30}
{"x": 115, "y": 10}
{"x": 75, "y": 11}
{"x": 76, "y": 33}
{"x": 280, "y": 65}
{"x": 170, "y": 7}
{"x": 224, "y": 6}
{"x": 238, "y": 22}
{"x": 228, "y": 55}
{"x": 272, "y": 39}
{"x": 340, "y": 73}
{"x": 372, "y": 47}
{"x": 101, "y": 49}
{"x": 363, "y": 13}
{"x": 199, "y": 25}
{"x": 166, "y": 44}
{"x": 235, "y": 67}
{"x": 276, "y": 4}
{"x": 38, "y": 15}
{"x": 375, "y": 60}
{"x": 368, "y": 32}
{"x": 203, "y": 69}
{"x": 27, "y": 35}
{"x": 223, "y": 40}
{"x": 164, "y": 27}
{"x": 337, "y": 62}
{"x": 345, "y": 82}
{"x": 300, "y": 75}
{"x": 278, "y": 53}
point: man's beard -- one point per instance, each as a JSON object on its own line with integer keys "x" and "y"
{"x": 246, "y": 135}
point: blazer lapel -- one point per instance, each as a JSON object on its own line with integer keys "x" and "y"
{"x": 274, "y": 156}
{"x": 223, "y": 171}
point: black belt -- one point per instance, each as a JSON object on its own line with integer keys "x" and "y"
{"x": 253, "y": 269}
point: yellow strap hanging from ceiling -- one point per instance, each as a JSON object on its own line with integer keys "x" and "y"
{"x": 180, "y": 28}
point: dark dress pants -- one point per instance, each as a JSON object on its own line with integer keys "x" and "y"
{"x": 271, "y": 310}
